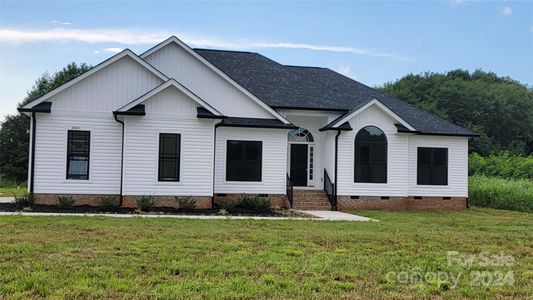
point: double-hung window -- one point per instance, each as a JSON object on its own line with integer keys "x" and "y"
{"x": 244, "y": 160}
{"x": 432, "y": 166}
{"x": 169, "y": 157}
{"x": 78, "y": 149}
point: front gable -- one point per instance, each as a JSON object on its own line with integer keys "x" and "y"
{"x": 178, "y": 61}
{"x": 169, "y": 98}
{"x": 105, "y": 87}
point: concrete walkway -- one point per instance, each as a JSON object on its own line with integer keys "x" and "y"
{"x": 6, "y": 199}
{"x": 328, "y": 215}
{"x": 320, "y": 216}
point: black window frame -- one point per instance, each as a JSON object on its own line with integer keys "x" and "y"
{"x": 430, "y": 177}
{"x": 240, "y": 174}
{"x": 371, "y": 163}
{"x": 71, "y": 154}
{"x": 163, "y": 157}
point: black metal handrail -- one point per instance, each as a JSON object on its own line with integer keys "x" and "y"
{"x": 290, "y": 189}
{"x": 329, "y": 189}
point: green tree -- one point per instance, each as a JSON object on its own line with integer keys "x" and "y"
{"x": 498, "y": 108}
{"x": 14, "y": 134}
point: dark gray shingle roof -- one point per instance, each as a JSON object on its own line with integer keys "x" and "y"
{"x": 282, "y": 86}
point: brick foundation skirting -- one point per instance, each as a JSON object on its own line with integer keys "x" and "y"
{"x": 276, "y": 200}
{"x": 400, "y": 203}
{"x": 202, "y": 202}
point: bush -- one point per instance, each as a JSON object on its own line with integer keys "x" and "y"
{"x": 146, "y": 203}
{"x": 65, "y": 201}
{"x": 503, "y": 166}
{"x": 109, "y": 202}
{"x": 25, "y": 200}
{"x": 185, "y": 203}
{"x": 509, "y": 194}
{"x": 255, "y": 204}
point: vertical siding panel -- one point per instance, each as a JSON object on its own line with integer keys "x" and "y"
{"x": 175, "y": 62}
{"x": 107, "y": 89}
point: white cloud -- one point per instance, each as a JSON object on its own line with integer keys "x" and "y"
{"x": 507, "y": 11}
{"x": 141, "y": 37}
{"x": 113, "y": 50}
{"x": 531, "y": 29}
{"x": 346, "y": 71}
{"x": 459, "y": 2}
{"x": 96, "y": 52}
{"x": 57, "y": 22}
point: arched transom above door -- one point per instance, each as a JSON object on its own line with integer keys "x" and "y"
{"x": 300, "y": 135}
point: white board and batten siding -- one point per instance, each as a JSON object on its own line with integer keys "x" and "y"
{"x": 51, "y": 153}
{"x": 108, "y": 89}
{"x": 170, "y": 111}
{"x": 396, "y": 157}
{"x": 274, "y": 160}
{"x": 177, "y": 63}
{"x": 457, "y": 166}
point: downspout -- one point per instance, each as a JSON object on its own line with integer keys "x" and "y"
{"x": 121, "y": 160}
{"x": 214, "y": 161}
{"x": 336, "y": 167}
{"x": 32, "y": 168}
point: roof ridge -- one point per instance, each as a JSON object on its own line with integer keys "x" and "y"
{"x": 310, "y": 67}
{"x": 222, "y": 50}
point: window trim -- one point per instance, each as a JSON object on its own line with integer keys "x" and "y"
{"x": 158, "y": 161}
{"x": 386, "y": 156}
{"x": 68, "y": 176}
{"x": 431, "y": 165}
{"x": 226, "y": 160}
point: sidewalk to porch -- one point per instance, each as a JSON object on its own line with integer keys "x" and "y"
{"x": 328, "y": 215}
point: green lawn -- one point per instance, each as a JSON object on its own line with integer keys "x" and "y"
{"x": 10, "y": 191}
{"x": 87, "y": 257}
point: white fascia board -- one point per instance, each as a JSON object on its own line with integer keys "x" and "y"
{"x": 163, "y": 86}
{"x": 109, "y": 61}
{"x": 380, "y": 105}
{"x": 181, "y": 44}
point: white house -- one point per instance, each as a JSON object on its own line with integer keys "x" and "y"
{"x": 215, "y": 124}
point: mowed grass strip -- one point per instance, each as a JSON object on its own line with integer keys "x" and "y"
{"x": 98, "y": 257}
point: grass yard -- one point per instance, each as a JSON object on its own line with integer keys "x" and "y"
{"x": 88, "y": 257}
{"x": 10, "y": 191}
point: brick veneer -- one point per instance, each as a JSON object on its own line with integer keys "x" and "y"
{"x": 203, "y": 202}
{"x": 277, "y": 201}
{"x": 401, "y": 203}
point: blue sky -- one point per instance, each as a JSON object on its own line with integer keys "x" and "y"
{"x": 373, "y": 42}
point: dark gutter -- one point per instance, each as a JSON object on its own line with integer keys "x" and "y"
{"x": 336, "y": 169}
{"x": 121, "y": 160}
{"x": 137, "y": 110}
{"x": 309, "y": 108}
{"x": 284, "y": 126}
{"x": 450, "y": 134}
{"x": 203, "y": 113}
{"x": 43, "y": 107}
{"x": 32, "y": 169}
{"x": 214, "y": 161}
{"x": 345, "y": 127}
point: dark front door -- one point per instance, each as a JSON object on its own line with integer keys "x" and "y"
{"x": 299, "y": 164}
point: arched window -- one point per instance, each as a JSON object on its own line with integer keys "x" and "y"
{"x": 370, "y": 155}
{"x": 300, "y": 135}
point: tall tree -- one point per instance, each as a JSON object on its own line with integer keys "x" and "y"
{"x": 498, "y": 108}
{"x": 14, "y": 135}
